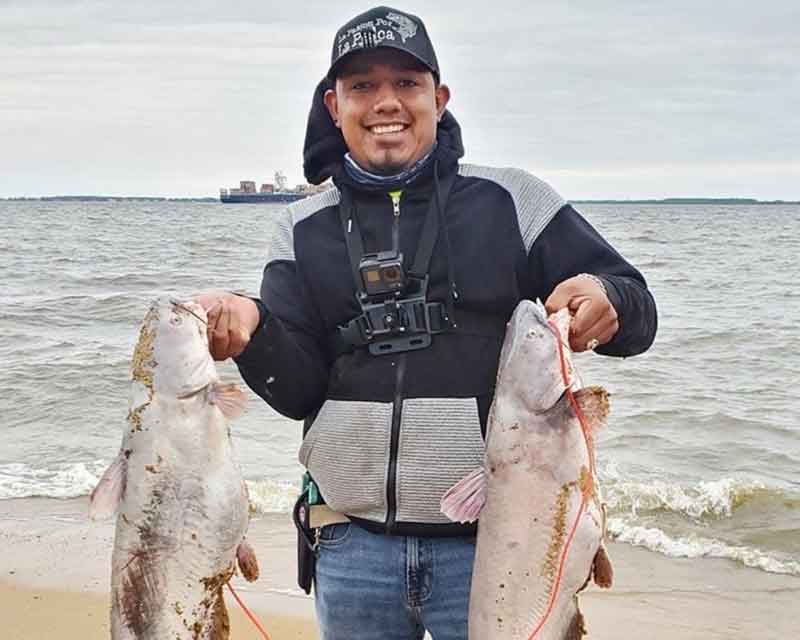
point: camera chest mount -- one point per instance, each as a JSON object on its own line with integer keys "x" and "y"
{"x": 395, "y": 313}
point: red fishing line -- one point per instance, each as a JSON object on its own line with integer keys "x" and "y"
{"x": 584, "y": 500}
{"x": 252, "y": 617}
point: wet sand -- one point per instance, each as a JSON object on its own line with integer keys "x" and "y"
{"x": 54, "y": 584}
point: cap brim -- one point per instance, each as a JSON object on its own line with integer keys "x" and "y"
{"x": 383, "y": 45}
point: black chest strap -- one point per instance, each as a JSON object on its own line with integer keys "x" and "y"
{"x": 356, "y": 333}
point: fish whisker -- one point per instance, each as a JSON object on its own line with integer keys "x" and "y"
{"x": 175, "y": 303}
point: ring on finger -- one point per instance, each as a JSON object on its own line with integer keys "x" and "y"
{"x": 592, "y": 344}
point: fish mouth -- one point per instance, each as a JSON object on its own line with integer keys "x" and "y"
{"x": 536, "y": 344}
{"x": 527, "y": 315}
{"x": 527, "y": 308}
{"x": 560, "y": 400}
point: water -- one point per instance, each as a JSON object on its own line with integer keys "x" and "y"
{"x": 699, "y": 458}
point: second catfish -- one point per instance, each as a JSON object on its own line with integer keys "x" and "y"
{"x": 542, "y": 523}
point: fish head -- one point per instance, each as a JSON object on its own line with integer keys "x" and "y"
{"x": 536, "y": 357}
{"x": 179, "y": 360}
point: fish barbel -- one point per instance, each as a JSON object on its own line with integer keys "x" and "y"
{"x": 181, "y": 503}
{"x": 541, "y": 521}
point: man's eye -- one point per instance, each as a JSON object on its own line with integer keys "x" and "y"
{"x": 407, "y": 83}
{"x": 360, "y": 86}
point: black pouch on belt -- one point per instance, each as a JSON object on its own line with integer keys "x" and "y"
{"x": 306, "y": 536}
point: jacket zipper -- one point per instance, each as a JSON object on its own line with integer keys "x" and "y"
{"x": 394, "y": 444}
{"x": 395, "y": 196}
{"x": 397, "y": 406}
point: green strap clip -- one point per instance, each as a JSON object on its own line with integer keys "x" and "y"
{"x": 310, "y": 489}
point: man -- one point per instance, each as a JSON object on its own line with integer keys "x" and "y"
{"x": 382, "y": 312}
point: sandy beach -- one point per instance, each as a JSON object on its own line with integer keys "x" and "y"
{"x": 55, "y": 562}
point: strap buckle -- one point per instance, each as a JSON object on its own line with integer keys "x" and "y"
{"x": 437, "y": 320}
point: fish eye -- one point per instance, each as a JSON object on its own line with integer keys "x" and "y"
{"x": 534, "y": 333}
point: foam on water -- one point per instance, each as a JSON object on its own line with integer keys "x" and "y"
{"x": 268, "y": 496}
{"x": 292, "y": 593}
{"x": 693, "y": 518}
{"x": 699, "y": 547}
{"x": 20, "y": 480}
{"x": 704, "y": 499}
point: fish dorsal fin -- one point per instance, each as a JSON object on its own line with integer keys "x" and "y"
{"x": 108, "y": 493}
{"x": 594, "y": 405}
{"x": 230, "y": 399}
{"x": 464, "y": 501}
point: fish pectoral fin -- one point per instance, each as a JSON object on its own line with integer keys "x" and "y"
{"x": 602, "y": 570}
{"x": 107, "y": 495}
{"x": 593, "y": 402}
{"x": 230, "y": 399}
{"x": 464, "y": 501}
{"x": 246, "y": 559}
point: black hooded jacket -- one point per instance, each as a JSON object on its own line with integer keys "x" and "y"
{"x": 388, "y": 434}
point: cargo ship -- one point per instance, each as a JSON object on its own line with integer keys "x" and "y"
{"x": 277, "y": 191}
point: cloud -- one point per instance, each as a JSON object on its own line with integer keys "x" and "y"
{"x": 181, "y": 98}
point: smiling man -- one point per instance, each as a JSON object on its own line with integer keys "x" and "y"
{"x": 387, "y": 104}
{"x": 383, "y": 307}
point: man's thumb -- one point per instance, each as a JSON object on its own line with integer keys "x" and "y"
{"x": 558, "y": 299}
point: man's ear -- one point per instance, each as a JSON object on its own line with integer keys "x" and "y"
{"x": 442, "y": 98}
{"x": 332, "y": 103}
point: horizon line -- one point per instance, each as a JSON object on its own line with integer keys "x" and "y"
{"x": 608, "y": 200}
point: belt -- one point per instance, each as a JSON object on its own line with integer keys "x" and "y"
{"x": 321, "y": 515}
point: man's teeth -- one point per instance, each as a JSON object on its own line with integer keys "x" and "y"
{"x": 387, "y": 128}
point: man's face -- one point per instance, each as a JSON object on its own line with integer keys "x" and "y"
{"x": 387, "y": 108}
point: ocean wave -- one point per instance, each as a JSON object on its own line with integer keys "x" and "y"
{"x": 74, "y": 480}
{"x": 271, "y": 496}
{"x": 19, "y": 480}
{"x": 714, "y": 499}
{"x": 693, "y": 546}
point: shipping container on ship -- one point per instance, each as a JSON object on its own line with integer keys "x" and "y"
{"x": 276, "y": 191}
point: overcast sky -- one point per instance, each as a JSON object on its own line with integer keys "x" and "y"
{"x": 602, "y": 99}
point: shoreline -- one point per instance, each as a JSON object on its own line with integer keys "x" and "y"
{"x": 55, "y": 563}
{"x": 34, "y": 614}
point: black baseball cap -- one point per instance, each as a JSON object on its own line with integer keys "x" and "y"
{"x": 383, "y": 27}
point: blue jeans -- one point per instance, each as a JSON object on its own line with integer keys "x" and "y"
{"x": 377, "y": 587}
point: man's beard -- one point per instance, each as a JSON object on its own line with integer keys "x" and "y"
{"x": 388, "y": 168}
{"x": 383, "y": 168}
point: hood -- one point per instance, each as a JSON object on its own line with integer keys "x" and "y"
{"x": 324, "y": 147}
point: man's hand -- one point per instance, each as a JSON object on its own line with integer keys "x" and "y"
{"x": 232, "y": 320}
{"x": 594, "y": 319}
